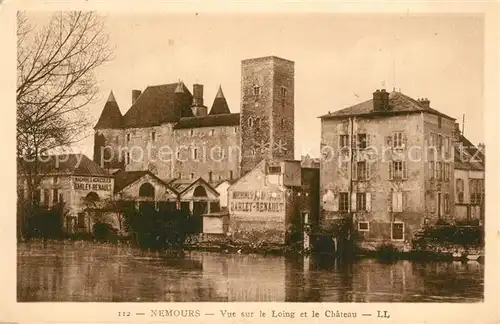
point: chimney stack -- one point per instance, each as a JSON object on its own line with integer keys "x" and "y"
{"x": 381, "y": 100}
{"x": 135, "y": 95}
{"x": 199, "y": 110}
{"x": 424, "y": 102}
{"x": 197, "y": 95}
{"x": 456, "y": 133}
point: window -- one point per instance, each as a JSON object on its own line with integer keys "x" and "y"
{"x": 195, "y": 153}
{"x": 343, "y": 201}
{"x": 447, "y": 146}
{"x": 179, "y": 175}
{"x": 460, "y": 190}
{"x": 361, "y": 171}
{"x": 191, "y": 132}
{"x": 210, "y": 176}
{"x": 397, "y": 201}
{"x": 153, "y": 136}
{"x": 439, "y": 174}
{"x": 439, "y": 122}
{"x": 363, "y": 226}
{"x": 61, "y": 197}
{"x": 446, "y": 203}
{"x": 178, "y": 155}
{"x": 440, "y": 142}
{"x": 250, "y": 122}
{"x": 398, "y": 231}
{"x": 127, "y": 158}
{"x": 362, "y": 141}
{"x": 81, "y": 220}
{"x": 360, "y": 201}
{"x": 230, "y": 175}
{"x": 212, "y": 132}
{"x": 256, "y": 90}
{"x": 192, "y": 176}
{"x": 128, "y": 137}
{"x": 56, "y": 179}
{"x": 398, "y": 170}
{"x": 432, "y": 170}
{"x": 283, "y": 91}
{"x": 46, "y": 196}
{"x": 55, "y": 196}
{"x": 397, "y": 140}
{"x": 282, "y": 122}
{"x": 447, "y": 173}
{"x": 257, "y": 123}
{"x": 476, "y": 188}
{"x": 274, "y": 170}
{"x": 235, "y": 129}
{"x": 344, "y": 141}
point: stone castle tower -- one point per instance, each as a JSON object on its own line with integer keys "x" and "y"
{"x": 267, "y": 110}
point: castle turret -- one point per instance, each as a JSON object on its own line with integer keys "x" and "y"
{"x": 111, "y": 117}
{"x": 220, "y": 104}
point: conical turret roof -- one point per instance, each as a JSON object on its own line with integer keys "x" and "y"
{"x": 111, "y": 117}
{"x": 220, "y": 105}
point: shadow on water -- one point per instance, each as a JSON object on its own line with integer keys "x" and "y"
{"x": 89, "y": 272}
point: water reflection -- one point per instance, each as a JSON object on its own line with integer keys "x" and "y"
{"x": 60, "y": 272}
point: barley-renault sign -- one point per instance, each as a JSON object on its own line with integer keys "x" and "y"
{"x": 257, "y": 201}
{"x": 92, "y": 184}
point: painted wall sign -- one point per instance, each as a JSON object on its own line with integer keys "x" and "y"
{"x": 257, "y": 201}
{"x": 92, "y": 184}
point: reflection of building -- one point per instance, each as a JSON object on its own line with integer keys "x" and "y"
{"x": 75, "y": 181}
{"x": 401, "y": 171}
{"x": 469, "y": 180}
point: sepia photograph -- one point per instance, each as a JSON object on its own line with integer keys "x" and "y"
{"x": 250, "y": 157}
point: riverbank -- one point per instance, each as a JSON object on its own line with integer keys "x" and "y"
{"x": 280, "y": 250}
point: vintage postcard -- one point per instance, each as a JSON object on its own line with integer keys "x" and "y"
{"x": 229, "y": 162}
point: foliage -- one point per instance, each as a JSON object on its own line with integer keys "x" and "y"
{"x": 46, "y": 222}
{"x": 103, "y": 231}
{"x": 451, "y": 234}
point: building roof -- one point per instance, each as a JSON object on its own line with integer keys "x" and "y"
{"x": 111, "y": 117}
{"x": 69, "y": 164}
{"x": 220, "y": 105}
{"x": 125, "y": 178}
{"x": 183, "y": 185}
{"x": 156, "y": 105}
{"x": 209, "y": 121}
{"x": 398, "y": 102}
{"x": 467, "y": 156}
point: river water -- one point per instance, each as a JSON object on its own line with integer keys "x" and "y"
{"x": 84, "y": 272}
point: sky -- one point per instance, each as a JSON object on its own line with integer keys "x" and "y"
{"x": 340, "y": 59}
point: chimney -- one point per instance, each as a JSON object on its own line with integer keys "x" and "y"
{"x": 135, "y": 95}
{"x": 381, "y": 100}
{"x": 197, "y": 95}
{"x": 456, "y": 133}
{"x": 199, "y": 110}
{"x": 424, "y": 102}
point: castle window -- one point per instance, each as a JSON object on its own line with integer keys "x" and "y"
{"x": 398, "y": 170}
{"x": 178, "y": 155}
{"x": 195, "y": 153}
{"x": 235, "y": 130}
{"x": 250, "y": 122}
{"x": 439, "y": 122}
{"x": 397, "y": 140}
{"x": 360, "y": 201}
{"x": 191, "y": 132}
{"x": 446, "y": 202}
{"x": 256, "y": 90}
{"x": 230, "y": 175}
{"x": 153, "y": 136}
{"x": 128, "y": 137}
{"x": 192, "y": 176}
{"x": 179, "y": 175}
{"x": 362, "y": 141}
{"x": 210, "y": 176}
{"x": 212, "y": 132}
{"x": 283, "y": 91}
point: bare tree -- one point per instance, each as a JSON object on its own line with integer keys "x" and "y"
{"x": 56, "y": 81}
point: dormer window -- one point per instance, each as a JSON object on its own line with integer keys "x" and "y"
{"x": 256, "y": 90}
